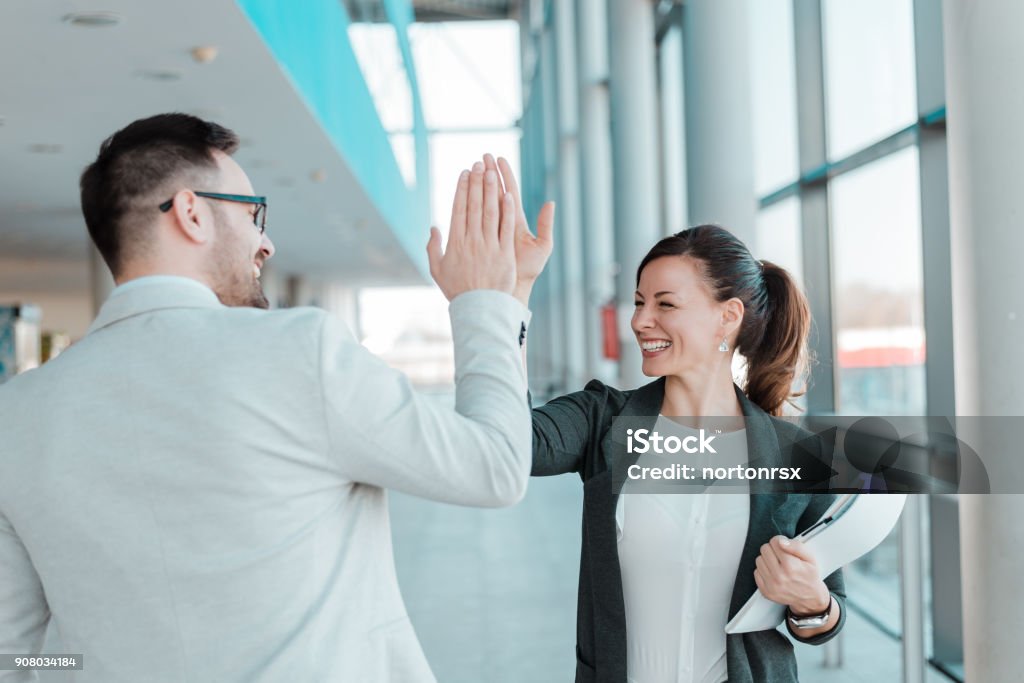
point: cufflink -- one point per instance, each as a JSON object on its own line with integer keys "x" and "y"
{"x": 522, "y": 333}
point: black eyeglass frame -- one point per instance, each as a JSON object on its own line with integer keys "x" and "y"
{"x": 259, "y": 219}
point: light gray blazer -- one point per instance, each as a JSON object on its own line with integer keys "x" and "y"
{"x": 196, "y": 493}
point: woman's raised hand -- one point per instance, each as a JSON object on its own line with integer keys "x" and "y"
{"x": 480, "y": 253}
{"x": 532, "y": 251}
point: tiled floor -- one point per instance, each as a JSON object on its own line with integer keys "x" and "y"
{"x": 492, "y": 593}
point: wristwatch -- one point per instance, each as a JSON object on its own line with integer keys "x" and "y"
{"x": 810, "y": 621}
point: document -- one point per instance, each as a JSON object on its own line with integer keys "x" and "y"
{"x": 853, "y": 525}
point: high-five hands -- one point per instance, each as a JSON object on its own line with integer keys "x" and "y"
{"x": 532, "y": 251}
{"x": 490, "y": 245}
{"x": 480, "y": 253}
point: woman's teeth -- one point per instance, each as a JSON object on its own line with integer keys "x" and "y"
{"x": 655, "y": 346}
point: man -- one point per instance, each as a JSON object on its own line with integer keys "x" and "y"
{"x": 195, "y": 491}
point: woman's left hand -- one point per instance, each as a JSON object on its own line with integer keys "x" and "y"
{"x": 787, "y": 573}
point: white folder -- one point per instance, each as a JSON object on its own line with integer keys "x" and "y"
{"x": 853, "y": 525}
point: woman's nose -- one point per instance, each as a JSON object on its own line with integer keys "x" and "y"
{"x": 642, "y": 318}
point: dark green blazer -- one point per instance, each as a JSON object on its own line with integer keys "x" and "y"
{"x": 572, "y": 434}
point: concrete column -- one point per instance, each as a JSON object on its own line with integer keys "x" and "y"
{"x": 569, "y": 220}
{"x": 814, "y": 209}
{"x": 597, "y": 191}
{"x": 947, "y": 621}
{"x": 982, "y": 45}
{"x": 912, "y": 572}
{"x": 101, "y": 282}
{"x": 548, "y": 152}
{"x": 635, "y": 152}
{"x": 719, "y": 134}
{"x": 673, "y": 131}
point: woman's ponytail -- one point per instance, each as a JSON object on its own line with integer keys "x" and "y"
{"x": 781, "y": 356}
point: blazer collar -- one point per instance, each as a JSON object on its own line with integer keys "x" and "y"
{"x": 151, "y": 294}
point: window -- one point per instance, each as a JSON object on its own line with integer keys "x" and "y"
{"x": 778, "y": 236}
{"x": 870, "y": 83}
{"x": 877, "y": 287}
{"x": 773, "y": 76}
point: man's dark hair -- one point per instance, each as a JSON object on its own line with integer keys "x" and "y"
{"x": 136, "y": 167}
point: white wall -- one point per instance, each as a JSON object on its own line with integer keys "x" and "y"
{"x": 59, "y": 287}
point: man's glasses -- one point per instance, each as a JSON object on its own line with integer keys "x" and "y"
{"x": 259, "y": 219}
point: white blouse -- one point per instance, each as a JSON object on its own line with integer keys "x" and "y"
{"x": 679, "y": 554}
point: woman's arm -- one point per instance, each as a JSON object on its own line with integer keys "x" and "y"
{"x": 562, "y": 429}
{"x": 567, "y": 428}
{"x": 833, "y": 583}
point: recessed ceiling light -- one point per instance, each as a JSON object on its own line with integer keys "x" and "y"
{"x": 318, "y": 176}
{"x": 93, "y": 19}
{"x": 162, "y": 75}
{"x": 46, "y": 148}
{"x": 204, "y": 54}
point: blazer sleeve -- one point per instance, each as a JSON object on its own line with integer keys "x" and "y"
{"x": 381, "y": 431}
{"x": 24, "y": 612}
{"x": 815, "y": 509}
{"x": 567, "y": 428}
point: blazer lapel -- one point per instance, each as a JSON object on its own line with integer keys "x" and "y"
{"x": 762, "y": 451}
{"x": 600, "y": 498}
{"x": 642, "y": 408}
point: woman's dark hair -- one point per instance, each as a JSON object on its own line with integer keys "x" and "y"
{"x": 776, "y": 319}
{"x": 122, "y": 189}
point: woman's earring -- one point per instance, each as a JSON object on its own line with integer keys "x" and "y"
{"x": 723, "y": 347}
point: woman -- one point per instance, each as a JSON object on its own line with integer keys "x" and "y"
{"x": 671, "y": 570}
{"x": 661, "y": 575}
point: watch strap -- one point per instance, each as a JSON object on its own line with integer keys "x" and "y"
{"x": 810, "y": 620}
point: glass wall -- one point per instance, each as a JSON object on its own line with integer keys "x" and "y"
{"x": 773, "y": 78}
{"x": 869, "y": 71}
{"x": 778, "y": 236}
{"x": 878, "y": 282}
{"x": 468, "y": 74}
{"x": 843, "y": 212}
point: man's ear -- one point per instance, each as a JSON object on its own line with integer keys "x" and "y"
{"x": 192, "y": 217}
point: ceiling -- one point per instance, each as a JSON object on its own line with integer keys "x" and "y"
{"x": 64, "y": 88}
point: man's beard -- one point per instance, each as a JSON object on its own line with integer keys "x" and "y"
{"x": 256, "y": 298}
{"x": 239, "y": 293}
{"x": 234, "y": 286}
